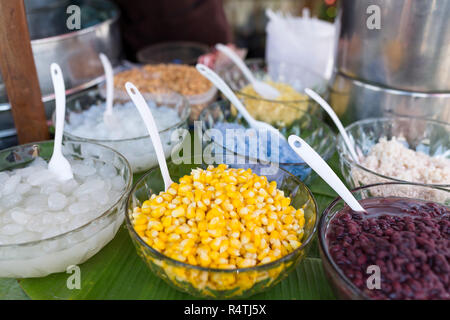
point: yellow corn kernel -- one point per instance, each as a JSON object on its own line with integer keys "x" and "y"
{"x": 167, "y": 221}
{"x": 199, "y": 214}
{"x": 163, "y": 236}
{"x": 159, "y": 245}
{"x": 178, "y": 212}
{"x": 287, "y": 219}
{"x": 191, "y": 260}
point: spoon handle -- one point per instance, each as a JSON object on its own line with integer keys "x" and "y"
{"x": 315, "y": 161}
{"x": 335, "y": 119}
{"x": 237, "y": 60}
{"x": 225, "y": 89}
{"x": 149, "y": 121}
{"x": 60, "y": 105}
{"x": 109, "y": 82}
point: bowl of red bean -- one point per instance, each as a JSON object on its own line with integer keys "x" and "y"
{"x": 398, "y": 249}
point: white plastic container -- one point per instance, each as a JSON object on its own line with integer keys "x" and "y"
{"x": 302, "y": 41}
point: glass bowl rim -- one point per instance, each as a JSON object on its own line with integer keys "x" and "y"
{"x": 284, "y": 102}
{"x": 236, "y": 270}
{"x": 326, "y": 156}
{"x": 343, "y": 150}
{"x": 185, "y": 105}
{"x": 323, "y": 245}
{"x": 105, "y": 212}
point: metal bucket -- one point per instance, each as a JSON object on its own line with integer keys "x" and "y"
{"x": 354, "y": 100}
{"x": 410, "y": 51}
{"x": 75, "y": 51}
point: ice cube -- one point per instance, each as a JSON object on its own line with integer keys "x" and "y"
{"x": 25, "y": 172}
{"x": 61, "y": 217}
{"x": 90, "y": 186}
{"x": 83, "y": 170}
{"x": 10, "y": 200}
{"x": 50, "y": 187}
{"x": 19, "y": 217}
{"x": 11, "y": 229}
{"x": 23, "y": 188}
{"x": 11, "y": 184}
{"x": 39, "y": 163}
{"x": 69, "y": 186}
{"x": 78, "y": 208}
{"x": 36, "y": 224}
{"x": 36, "y": 204}
{"x": 3, "y": 177}
{"x": 40, "y": 177}
{"x": 5, "y": 218}
{"x": 83, "y": 198}
{"x": 57, "y": 201}
{"x": 101, "y": 198}
{"x": 48, "y": 219}
{"x": 107, "y": 171}
{"x": 118, "y": 183}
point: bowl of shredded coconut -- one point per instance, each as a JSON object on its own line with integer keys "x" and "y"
{"x": 402, "y": 149}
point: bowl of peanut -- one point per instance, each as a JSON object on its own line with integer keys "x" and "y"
{"x": 221, "y": 231}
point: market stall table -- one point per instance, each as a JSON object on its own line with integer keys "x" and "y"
{"x": 117, "y": 272}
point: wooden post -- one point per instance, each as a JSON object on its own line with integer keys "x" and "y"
{"x": 19, "y": 73}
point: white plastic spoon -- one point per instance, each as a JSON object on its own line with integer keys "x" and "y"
{"x": 58, "y": 163}
{"x": 149, "y": 121}
{"x": 336, "y": 120}
{"x": 313, "y": 159}
{"x": 263, "y": 89}
{"x": 226, "y": 90}
{"x": 109, "y": 117}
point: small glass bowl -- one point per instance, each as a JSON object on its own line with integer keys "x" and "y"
{"x": 222, "y": 283}
{"x": 42, "y": 257}
{"x": 313, "y": 130}
{"x": 139, "y": 151}
{"x": 196, "y": 101}
{"x": 341, "y": 284}
{"x": 427, "y": 136}
{"x": 273, "y": 111}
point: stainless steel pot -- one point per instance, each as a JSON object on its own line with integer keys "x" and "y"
{"x": 411, "y": 50}
{"x": 75, "y": 51}
{"x": 354, "y": 100}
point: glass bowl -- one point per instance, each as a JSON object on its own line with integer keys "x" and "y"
{"x": 144, "y": 81}
{"x": 427, "y": 136}
{"x": 222, "y": 283}
{"x": 341, "y": 284}
{"x": 42, "y": 257}
{"x": 139, "y": 151}
{"x": 273, "y": 111}
{"x": 313, "y": 130}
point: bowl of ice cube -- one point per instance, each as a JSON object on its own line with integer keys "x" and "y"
{"x": 46, "y": 224}
{"x": 127, "y": 134}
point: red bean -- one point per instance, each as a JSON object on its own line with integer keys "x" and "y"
{"x": 412, "y": 250}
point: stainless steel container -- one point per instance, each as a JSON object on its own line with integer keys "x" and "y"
{"x": 411, "y": 50}
{"x": 75, "y": 51}
{"x": 353, "y": 100}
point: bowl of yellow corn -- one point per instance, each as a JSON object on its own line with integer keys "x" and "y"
{"x": 289, "y": 80}
{"x": 220, "y": 231}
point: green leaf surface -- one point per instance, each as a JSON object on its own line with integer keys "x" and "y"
{"x": 10, "y": 290}
{"x": 117, "y": 272}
